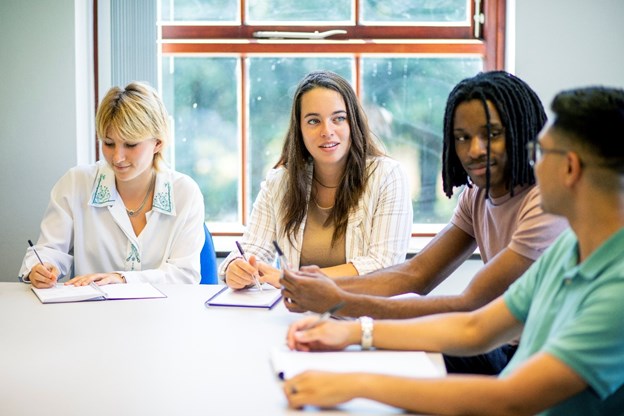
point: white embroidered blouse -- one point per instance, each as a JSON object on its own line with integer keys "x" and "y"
{"x": 86, "y": 229}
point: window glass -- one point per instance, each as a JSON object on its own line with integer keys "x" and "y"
{"x": 200, "y": 10}
{"x": 272, "y": 83}
{"x": 404, "y": 98}
{"x": 202, "y": 96}
{"x": 317, "y": 11}
{"x": 407, "y": 11}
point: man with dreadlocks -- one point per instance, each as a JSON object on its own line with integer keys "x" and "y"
{"x": 488, "y": 121}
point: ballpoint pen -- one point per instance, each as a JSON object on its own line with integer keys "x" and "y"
{"x": 242, "y": 253}
{"x": 30, "y": 243}
{"x": 35, "y": 251}
{"x": 280, "y": 255}
{"x": 328, "y": 313}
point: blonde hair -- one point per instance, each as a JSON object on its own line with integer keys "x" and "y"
{"x": 135, "y": 113}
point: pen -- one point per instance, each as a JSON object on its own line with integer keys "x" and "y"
{"x": 35, "y": 251}
{"x": 30, "y": 243}
{"x": 280, "y": 255}
{"x": 325, "y": 315}
{"x": 255, "y": 278}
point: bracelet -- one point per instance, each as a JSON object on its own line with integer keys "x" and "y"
{"x": 366, "y": 323}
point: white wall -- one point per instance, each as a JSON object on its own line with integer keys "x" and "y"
{"x": 40, "y": 49}
{"x": 563, "y": 44}
{"x": 45, "y": 93}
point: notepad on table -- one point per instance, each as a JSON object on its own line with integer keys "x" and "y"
{"x": 247, "y": 298}
{"x": 61, "y": 293}
{"x": 287, "y": 363}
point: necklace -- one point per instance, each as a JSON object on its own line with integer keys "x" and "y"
{"x": 324, "y": 186}
{"x": 320, "y": 207}
{"x": 135, "y": 212}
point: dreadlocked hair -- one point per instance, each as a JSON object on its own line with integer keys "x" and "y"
{"x": 521, "y": 113}
{"x": 296, "y": 158}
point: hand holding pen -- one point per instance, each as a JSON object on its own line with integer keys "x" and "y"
{"x": 42, "y": 276}
{"x": 254, "y": 276}
{"x": 315, "y": 333}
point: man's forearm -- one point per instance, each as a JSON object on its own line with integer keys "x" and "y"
{"x": 408, "y": 306}
{"x": 394, "y": 280}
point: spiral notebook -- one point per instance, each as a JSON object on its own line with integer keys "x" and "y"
{"x": 246, "y": 298}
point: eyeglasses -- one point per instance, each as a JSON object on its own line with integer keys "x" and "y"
{"x": 536, "y": 151}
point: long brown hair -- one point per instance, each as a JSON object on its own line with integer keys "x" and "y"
{"x": 295, "y": 157}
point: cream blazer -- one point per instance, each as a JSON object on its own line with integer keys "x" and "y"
{"x": 378, "y": 230}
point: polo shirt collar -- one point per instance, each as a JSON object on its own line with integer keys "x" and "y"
{"x": 608, "y": 253}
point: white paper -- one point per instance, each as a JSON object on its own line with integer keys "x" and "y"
{"x": 287, "y": 364}
{"x": 131, "y": 291}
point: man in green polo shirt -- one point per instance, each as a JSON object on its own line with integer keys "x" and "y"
{"x": 569, "y": 306}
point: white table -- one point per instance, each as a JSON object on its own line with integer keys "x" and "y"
{"x": 168, "y": 356}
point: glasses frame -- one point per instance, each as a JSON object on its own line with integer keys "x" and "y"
{"x": 536, "y": 151}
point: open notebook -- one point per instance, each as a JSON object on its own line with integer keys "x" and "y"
{"x": 61, "y": 293}
{"x": 287, "y": 363}
{"x": 247, "y": 298}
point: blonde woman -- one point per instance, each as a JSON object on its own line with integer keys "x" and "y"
{"x": 127, "y": 218}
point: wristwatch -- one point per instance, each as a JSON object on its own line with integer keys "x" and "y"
{"x": 366, "y": 323}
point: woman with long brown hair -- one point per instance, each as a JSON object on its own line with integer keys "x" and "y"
{"x": 333, "y": 199}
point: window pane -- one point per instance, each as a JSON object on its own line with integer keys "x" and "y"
{"x": 202, "y": 96}
{"x": 272, "y": 83}
{"x": 410, "y": 11}
{"x": 310, "y": 12}
{"x": 405, "y": 100}
{"x": 200, "y": 10}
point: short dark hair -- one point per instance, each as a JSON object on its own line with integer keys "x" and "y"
{"x": 593, "y": 116}
{"x": 521, "y": 113}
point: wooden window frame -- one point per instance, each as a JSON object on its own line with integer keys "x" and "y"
{"x": 179, "y": 39}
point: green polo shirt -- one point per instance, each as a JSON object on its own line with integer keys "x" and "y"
{"x": 575, "y": 312}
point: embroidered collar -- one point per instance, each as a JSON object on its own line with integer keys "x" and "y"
{"x": 104, "y": 192}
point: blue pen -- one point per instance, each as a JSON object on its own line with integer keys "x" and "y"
{"x": 242, "y": 253}
{"x": 280, "y": 255}
{"x": 37, "y": 254}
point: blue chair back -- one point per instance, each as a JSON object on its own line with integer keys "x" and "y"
{"x": 208, "y": 261}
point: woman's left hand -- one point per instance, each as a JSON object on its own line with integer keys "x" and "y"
{"x": 98, "y": 278}
{"x": 269, "y": 274}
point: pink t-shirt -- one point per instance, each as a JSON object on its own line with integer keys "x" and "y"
{"x": 516, "y": 222}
